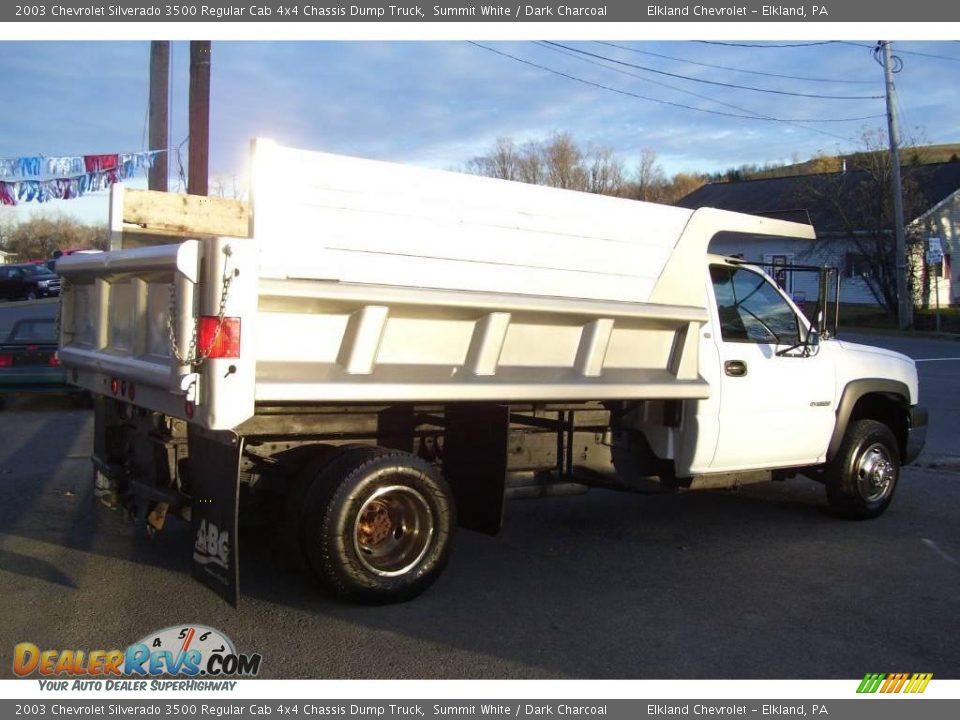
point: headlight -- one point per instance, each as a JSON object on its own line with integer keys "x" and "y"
{"x": 43, "y": 283}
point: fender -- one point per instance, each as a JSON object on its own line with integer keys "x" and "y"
{"x": 852, "y": 393}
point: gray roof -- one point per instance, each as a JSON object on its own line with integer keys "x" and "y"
{"x": 805, "y": 198}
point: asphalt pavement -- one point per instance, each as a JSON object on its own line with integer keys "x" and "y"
{"x": 761, "y": 583}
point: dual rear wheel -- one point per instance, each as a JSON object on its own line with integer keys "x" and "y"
{"x": 374, "y": 525}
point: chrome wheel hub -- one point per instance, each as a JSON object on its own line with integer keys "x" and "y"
{"x": 876, "y": 473}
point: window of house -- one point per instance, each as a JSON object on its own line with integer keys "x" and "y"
{"x": 856, "y": 265}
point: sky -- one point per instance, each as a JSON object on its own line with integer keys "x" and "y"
{"x": 440, "y": 103}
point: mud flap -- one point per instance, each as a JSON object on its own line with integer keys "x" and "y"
{"x": 213, "y": 467}
{"x": 475, "y": 463}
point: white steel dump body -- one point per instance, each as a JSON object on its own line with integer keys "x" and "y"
{"x": 361, "y": 281}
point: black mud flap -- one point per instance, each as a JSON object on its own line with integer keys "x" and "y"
{"x": 475, "y": 463}
{"x": 213, "y": 467}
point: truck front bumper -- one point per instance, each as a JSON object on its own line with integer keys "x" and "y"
{"x": 916, "y": 433}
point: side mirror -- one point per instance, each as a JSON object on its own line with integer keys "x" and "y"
{"x": 813, "y": 338}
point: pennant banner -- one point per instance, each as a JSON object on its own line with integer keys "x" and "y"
{"x": 87, "y": 173}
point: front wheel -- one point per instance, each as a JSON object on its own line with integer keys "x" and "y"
{"x": 862, "y": 478}
{"x": 377, "y": 525}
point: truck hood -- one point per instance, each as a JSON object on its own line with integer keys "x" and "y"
{"x": 859, "y": 347}
{"x": 856, "y": 361}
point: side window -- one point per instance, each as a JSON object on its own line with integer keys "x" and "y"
{"x": 750, "y": 309}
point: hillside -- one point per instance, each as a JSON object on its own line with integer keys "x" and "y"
{"x": 911, "y": 155}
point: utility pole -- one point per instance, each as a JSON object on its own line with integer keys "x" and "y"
{"x": 904, "y": 301}
{"x": 198, "y": 172}
{"x": 159, "y": 99}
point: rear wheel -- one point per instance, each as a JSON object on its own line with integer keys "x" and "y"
{"x": 376, "y": 525}
{"x": 862, "y": 478}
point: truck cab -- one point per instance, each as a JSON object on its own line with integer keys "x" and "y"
{"x": 787, "y": 397}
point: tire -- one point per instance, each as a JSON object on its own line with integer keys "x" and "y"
{"x": 863, "y": 477}
{"x": 377, "y": 526}
{"x": 291, "y": 535}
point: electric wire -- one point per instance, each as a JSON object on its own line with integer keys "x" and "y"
{"x": 766, "y": 45}
{"x": 717, "y": 82}
{"x": 736, "y": 69}
{"x": 901, "y": 51}
{"x": 636, "y": 95}
{"x": 756, "y": 113}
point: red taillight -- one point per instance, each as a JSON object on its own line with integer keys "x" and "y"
{"x": 114, "y": 386}
{"x": 222, "y": 344}
{"x": 188, "y": 409}
{"x": 53, "y": 361}
{"x": 6, "y": 360}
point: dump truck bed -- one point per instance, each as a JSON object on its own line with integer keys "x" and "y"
{"x": 363, "y": 281}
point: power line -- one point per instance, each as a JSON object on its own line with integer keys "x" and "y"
{"x": 717, "y": 82}
{"x": 635, "y": 95}
{"x": 754, "y": 113}
{"x": 736, "y": 69}
{"x": 901, "y": 51}
{"x": 765, "y": 45}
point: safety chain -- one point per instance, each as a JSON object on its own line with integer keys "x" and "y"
{"x": 194, "y": 355}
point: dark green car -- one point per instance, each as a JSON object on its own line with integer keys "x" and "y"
{"x": 28, "y": 358}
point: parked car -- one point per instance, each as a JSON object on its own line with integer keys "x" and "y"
{"x": 28, "y": 358}
{"x": 28, "y": 282}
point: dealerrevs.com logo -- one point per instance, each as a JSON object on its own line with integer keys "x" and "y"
{"x": 186, "y": 651}
{"x": 894, "y": 682}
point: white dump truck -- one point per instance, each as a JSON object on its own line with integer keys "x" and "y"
{"x": 371, "y": 354}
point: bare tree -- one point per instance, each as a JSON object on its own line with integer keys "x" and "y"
{"x": 558, "y": 162}
{"x": 530, "y": 167}
{"x": 228, "y": 186}
{"x": 605, "y": 173}
{"x": 502, "y": 162}
{"x": 862, "y": 199}
{"x": 563, "y": 163}
{"x": 649, "y": 182}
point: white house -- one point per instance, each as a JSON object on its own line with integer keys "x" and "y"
{"x": 842, "y": 226}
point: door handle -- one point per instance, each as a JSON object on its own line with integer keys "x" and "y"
{"x": 735, "y": 368}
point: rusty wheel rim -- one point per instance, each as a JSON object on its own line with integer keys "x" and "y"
{"x": 392, "y": 530}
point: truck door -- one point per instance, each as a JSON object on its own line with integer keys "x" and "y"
{"x": 776, "y": 396}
